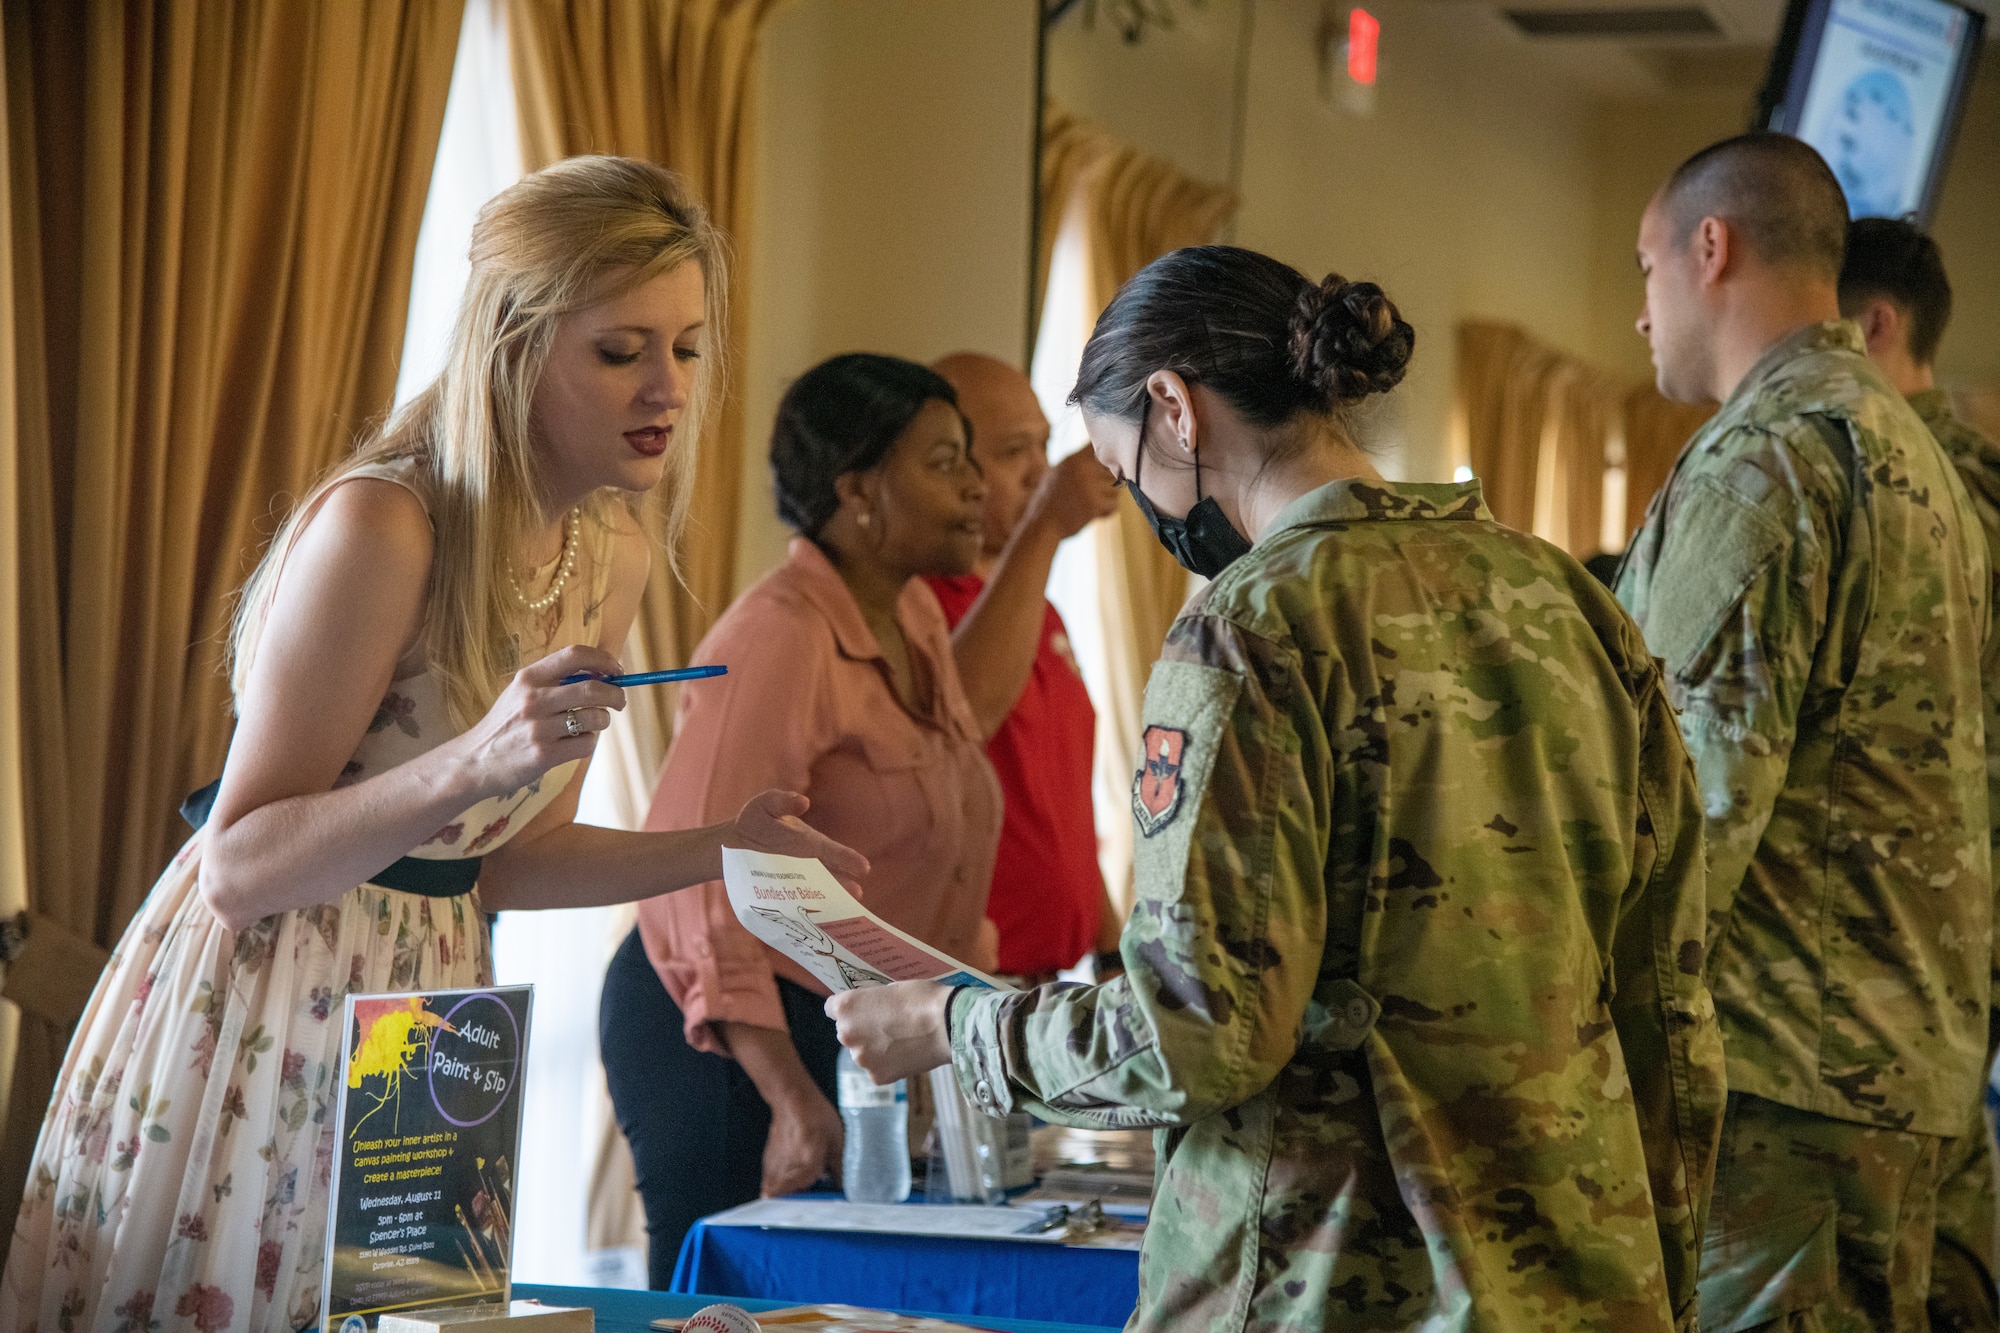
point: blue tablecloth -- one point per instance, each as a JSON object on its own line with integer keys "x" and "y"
{"x": 1011, "y": 1279}
{"x": 635, "y": 1311}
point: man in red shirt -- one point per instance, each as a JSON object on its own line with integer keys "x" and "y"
{"x": 1049, "y": 903}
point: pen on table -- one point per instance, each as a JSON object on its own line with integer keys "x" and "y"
{"x": 649, "y": 677}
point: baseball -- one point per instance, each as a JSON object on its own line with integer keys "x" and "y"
{"x": 720, "y": 1319}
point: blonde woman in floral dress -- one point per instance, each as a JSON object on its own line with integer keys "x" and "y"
{"x": 397, "y": 668}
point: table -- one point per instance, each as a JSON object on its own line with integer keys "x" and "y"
{"x": 959, "y": 1278}
{"x": 634, "y": 1311}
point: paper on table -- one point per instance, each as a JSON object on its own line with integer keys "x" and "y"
{"x": 795, "y": 905}
{"x": 840, "y": 1319}
{"x": 1030, "y": 1224}
{"x": 965, "y": 1221}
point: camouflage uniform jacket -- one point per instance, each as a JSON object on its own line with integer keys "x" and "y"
{"x": 1978, "y": 462}
{"x": 1965, "y": 1253}
{"x": 1814, "y": 578}
{"x": 1413, "y": 991}
{"x": 1976, "y": 457}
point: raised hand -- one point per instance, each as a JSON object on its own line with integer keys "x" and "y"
{"x": 1074, "y": 492}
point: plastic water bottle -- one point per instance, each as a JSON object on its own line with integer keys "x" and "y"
{"x": 875, "y": 1163}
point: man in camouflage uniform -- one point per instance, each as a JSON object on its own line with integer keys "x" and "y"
{"x": 1413, "y": 991}
{"x": 1893, "y": 284}
{"x": 1813, "y": 577}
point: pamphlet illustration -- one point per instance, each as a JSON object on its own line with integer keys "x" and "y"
{"x": 795, "y": 905}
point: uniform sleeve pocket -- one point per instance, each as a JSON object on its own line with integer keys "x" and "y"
{"x": 1719, "y": 545}
{"x": 1187, "y": 713}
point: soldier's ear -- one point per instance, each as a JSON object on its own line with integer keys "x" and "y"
{"x": 1714, "y": 246}
{"x": 1882, "y": 326}
{"x": 1173, "y": 405}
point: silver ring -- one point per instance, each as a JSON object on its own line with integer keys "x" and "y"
{"x": 570, "y": 723}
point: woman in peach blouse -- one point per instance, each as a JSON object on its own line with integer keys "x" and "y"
{"x": 841, "y": 685}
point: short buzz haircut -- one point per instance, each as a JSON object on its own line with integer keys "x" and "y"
{"x": 1893, "y": 259}
{"x": 1773, "y": 189}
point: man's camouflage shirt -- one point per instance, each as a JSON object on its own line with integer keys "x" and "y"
{"x": 1978, "y": 462}
{"x": 1413, "y": 990}
{"x": 1814, "y": 577}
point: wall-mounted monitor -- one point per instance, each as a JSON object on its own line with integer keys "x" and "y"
{"x": 1877, "y": 86}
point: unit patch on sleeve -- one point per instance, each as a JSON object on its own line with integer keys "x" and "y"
{"x": 1156, "y": 787}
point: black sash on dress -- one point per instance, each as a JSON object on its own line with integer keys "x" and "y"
{"x": 411, "y": 874}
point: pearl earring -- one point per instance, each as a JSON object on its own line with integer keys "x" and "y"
{"x": 862, "y": 519}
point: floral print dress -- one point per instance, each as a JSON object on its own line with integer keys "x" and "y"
{"x": 180, "y": 1180}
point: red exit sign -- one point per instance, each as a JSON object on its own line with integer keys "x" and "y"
{"x": 1364, "y": 32}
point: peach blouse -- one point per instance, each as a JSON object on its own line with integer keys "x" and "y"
{"x": 808, "y": 705}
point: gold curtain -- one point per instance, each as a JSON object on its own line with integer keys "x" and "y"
{"x": 1539, "y": 428}
{"x": 1655, "y": 430}
{"x": 1071, "y": 146}
{"x": 13, "y": 775}
{"x": 1499, "y": 403}
{"x": 667, "y": 80}
{"x": 212, "y": 212}
{"x": 1133, "y": 208}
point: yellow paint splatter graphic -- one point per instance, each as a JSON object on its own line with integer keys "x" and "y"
{"x": 392, "y": 1031}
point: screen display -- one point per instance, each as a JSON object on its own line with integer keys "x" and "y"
{"x": 1879, "y": 97}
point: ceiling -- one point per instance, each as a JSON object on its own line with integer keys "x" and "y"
{"x": 1729, "y": 58}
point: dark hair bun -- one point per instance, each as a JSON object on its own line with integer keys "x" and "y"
{"x": 1249, "y": 327}
{"x": 1348, "y": 340}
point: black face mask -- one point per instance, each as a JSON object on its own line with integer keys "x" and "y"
{"x": 1205, "y": 542}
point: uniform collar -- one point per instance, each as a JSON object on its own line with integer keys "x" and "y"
{"x": 1833, "y": 335}
{"x": 1357, "y": 500}
{"x": 1933, "y": 405}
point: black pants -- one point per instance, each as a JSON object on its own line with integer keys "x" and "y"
{"x": 695, "y": 1121}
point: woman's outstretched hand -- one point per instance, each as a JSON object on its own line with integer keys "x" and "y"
{"x": 893, "y": 1031}
{"x": 770, "y": 822}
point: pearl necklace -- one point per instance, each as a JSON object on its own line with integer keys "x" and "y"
{"x": 563, "y": 571}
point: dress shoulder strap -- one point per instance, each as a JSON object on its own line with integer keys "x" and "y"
{"x": 403, "y": 469}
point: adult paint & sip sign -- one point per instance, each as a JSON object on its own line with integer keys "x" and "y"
{"x": 425, "y": 1145}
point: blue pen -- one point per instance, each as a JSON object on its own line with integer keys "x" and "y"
{"x": 649, "y": 677}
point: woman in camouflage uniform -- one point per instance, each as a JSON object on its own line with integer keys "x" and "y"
{"x": 1414, "y": 989}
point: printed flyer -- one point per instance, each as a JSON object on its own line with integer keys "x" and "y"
{"x": 795, "y": 905}
{"x": 427, "y": 1135}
